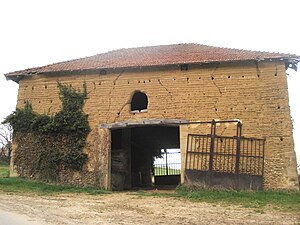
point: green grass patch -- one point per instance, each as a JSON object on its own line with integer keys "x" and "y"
{"x": 287, "y": 200}
{"x": 4, "y": 163}
{"x": 4, "y": 169}
{"x": 163, "y": 171}
{"x": 21, "y": 185}
{"x": 4, "y": 172}
{"x": 260, "y": 200}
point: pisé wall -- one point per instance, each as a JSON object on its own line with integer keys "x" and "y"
{"x": 253, "y": 92}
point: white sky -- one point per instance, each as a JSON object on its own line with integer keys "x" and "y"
{"x": 36, "y": 33}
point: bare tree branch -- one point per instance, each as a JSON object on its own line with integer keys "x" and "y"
{"x": 5, "y": 139}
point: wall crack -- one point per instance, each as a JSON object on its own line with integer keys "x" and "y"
{"x": 165, "y": 89}
{"x": 119, "y": 112}
{"x": 219, "y": 89}
{"x": 171, "y": 96}
{"x": 109, "y": 94}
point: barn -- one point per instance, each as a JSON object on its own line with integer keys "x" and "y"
{"x": 170, "y": 114}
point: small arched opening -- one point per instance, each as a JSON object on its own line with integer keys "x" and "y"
{"x": 139, "y": 101}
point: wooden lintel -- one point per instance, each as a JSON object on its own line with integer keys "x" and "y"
{"x": 136, "y": 123}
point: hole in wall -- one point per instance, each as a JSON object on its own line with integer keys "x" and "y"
{"x": 228, "y": 77}
{"x": 46, "y": 87}
{"x": 243, "y": 76}
{"x": 32, "y": 88}
{"x": 103, "y": 72}
{"x": 278, "y": 107}
{"x": 139, "y": 101}
{"x": 184, "y": 67}
{"x": 212, "y": 78}
{"x": 281, "y": 139}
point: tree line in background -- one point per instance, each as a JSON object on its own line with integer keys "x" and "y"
{"x": 6, "y": 132}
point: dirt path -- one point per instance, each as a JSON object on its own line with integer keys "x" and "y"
{"x": 130, "y": 208}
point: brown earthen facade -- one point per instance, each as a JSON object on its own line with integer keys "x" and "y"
{"x": 253, "y": 92}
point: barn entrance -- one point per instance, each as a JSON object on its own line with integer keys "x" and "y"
{"x": 138, "y": 157}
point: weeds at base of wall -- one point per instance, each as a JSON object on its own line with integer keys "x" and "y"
{"x": 281, "y": 200}
{"x": 287, "y": 201}
{"x": 21, "y": 185}
{"x": 48, "y": 145}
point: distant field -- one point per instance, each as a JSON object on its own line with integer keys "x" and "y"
{"x": 159, "y": 171}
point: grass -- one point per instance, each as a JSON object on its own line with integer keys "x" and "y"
{"x": 289, "y": 200}
{"x": 4, "y": 172}
{"x": 4, "y": 163}
{"x": 280, "y": 200}
{"x": 4, "y": 169}
{"x": 21, "y": 185}
{"x": 162, "y": 171}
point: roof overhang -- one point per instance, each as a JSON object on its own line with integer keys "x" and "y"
{"x": 290, "y": 62}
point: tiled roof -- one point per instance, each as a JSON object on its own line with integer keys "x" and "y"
{"x": 153, "y": 56}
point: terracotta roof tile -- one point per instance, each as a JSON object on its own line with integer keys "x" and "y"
{"x": 154, "y": 56}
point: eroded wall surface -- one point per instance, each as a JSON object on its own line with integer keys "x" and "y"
{"x": 255, "y": 93}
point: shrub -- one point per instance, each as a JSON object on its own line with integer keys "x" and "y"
{"x": 47, "y": 145}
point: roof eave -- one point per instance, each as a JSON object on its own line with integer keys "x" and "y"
{"x": 15, "y": 78}
{"x": 291, "y": 62}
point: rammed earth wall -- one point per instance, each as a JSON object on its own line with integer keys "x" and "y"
{"x": 255, "y": 93}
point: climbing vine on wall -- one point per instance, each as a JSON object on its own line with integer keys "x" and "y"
{"x": 48, "y": 145}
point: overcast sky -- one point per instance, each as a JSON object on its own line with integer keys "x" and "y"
{"x": 36, "y": 33}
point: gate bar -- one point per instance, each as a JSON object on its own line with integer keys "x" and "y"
{"x": 238, "y": 153}
{"x": 212, "y": 147}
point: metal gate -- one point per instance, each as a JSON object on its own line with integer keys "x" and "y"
{"x": 229, "y": 162}
{"x": 167, "y": 167}
{"x": 169, "y": 163}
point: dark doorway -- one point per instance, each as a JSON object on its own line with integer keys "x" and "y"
{"x": 133, "y": 151}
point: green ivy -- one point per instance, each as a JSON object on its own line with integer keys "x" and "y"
{"x": 49, "y": 145}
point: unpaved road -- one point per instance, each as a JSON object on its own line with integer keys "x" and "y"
{"x": 128, "y": 208}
